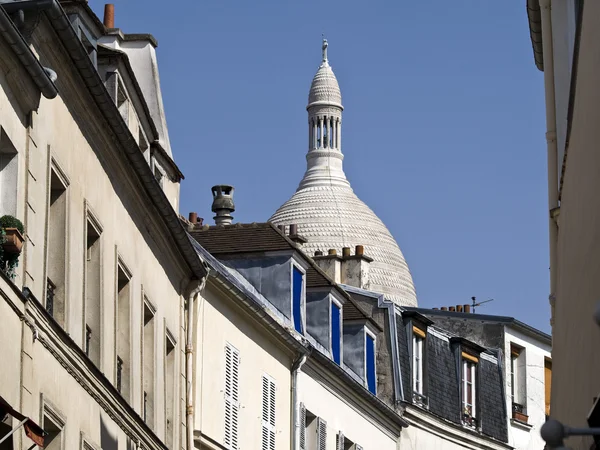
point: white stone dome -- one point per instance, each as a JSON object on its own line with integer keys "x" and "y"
{"x": 326, "y": 209}
{"x": 324, "y": 87}
{"x": 334, "y": 217}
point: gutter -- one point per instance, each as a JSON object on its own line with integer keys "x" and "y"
{"x": 195, "y": 288}
{"x": 43, "y": 77}
{"x": 91, "y": 78}
{"x": 296, "y": 368}
{"x": 551, "y": 145}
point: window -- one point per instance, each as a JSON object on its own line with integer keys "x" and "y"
{"x": 297, "y": 290}
{"x": 268, "y": 413}
{"x": 5, "y": 427}
{"x": 518, "y": 387}
{"x": 56, "y": 247}
{"x": 53, "y": 424}
{"x": 170, "y": 394}
{"x": 336, "y": 332}
{"x": 417, "y": 365}
{"x": 9, "y": 170}
{"x": 148, "y": 363}
{"x": 469, "y": 384}
{"x": 370, "y": 363}
{"x": 321, "y": 434}
{"x": 309, "y": 429}
{"x": 232, "y": 400}
{"x": 123, "y": 331}
{"x": 92, "y": 262}
{"x": 547, "y": 384}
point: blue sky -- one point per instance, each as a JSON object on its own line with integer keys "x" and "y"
{"x": 443, "y": 126}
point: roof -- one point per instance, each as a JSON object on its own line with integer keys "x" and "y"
{"x": 535, "y": 31}
{"x": 506, "y": 320}
{"x": 221, "y": 240}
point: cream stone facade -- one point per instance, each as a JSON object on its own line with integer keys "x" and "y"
{"x": 565, "y": 36}
{"x": 92, "y": 335}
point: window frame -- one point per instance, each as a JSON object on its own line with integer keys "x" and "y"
{"x": 470, "y": 363}
{"x": 418, "y": 364}
{"x": 302, "y": 306}
{"x": 370, "y": 334}
{"x": 232, "y": 401}
{"x": 334, "y": 302}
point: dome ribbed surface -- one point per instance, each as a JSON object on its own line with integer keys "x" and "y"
{"x": 325, "y": 87}
{"x": 334, "y": 217}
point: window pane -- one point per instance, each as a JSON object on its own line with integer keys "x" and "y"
{"x": 335, "y": 332}
{"x": 297, "y": 299}
{"x": 371, "y": 382}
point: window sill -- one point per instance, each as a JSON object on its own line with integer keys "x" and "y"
{"x": 522, "y": 425}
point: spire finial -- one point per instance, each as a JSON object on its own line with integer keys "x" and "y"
{"x": 324, "y": 48}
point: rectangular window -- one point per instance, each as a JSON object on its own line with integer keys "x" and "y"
{"x": 309, "y": 440}
{"x": 56, "y": 247}
{"x": 268, "y": 413}
{"x": 469, "y": 385}
{"x": 54, "y": 426}
{"x": 547, "y": 383}
{"x": 123, "y": 331}
{"x": 370, "y": 356}
{"x": 170, "y": 394}
{"x": 336, "y": 332}
{"x": 518, "y": 387}
{"x": 148, "y": 363}
{"x": 92, "y": 262}
{"x": 417, "y": 360}
{"x": 232, "y": 399}
{"x": 297, "y": 288}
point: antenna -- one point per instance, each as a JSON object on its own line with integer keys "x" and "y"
{"x": 480, "y": 303}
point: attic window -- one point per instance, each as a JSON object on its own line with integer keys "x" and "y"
{"x": 297, "y": 291}
{"x": 370, "y": 363}
{"x": 336, "y": 332}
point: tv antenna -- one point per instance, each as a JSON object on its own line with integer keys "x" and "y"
{"x": 475, "y": 303}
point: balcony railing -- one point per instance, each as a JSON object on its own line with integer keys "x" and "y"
{"x": 420, "y": 400}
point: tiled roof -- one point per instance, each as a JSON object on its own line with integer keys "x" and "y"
{"x": 242, "y": 238}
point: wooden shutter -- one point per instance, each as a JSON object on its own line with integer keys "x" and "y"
{"x": 548, "y": 383}
{"x": 302, "y": 427}
{"x": 339, "y": 441}
{"x": 268, "y": 413}
{"x": 321, "y": 434}
{"x": 232, "y": 400}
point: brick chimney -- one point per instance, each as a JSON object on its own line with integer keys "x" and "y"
{"x": 355, "y": 268}
{"x": 109, "y": 15}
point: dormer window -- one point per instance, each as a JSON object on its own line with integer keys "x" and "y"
{"x": 371, "y": 374}
{"x": 297, "y": 301}
{"x": 469, "y": 388}
{"x": 336, "y": 332}
{"x": 418, "y": 372}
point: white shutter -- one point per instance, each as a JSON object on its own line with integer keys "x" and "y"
{"x": 302, "y": 427}
{"x": 268, "y": 413}
{"x": 339, "y": 441}
{"x": 321, "y": 434}
{"x": 232, "y": 400}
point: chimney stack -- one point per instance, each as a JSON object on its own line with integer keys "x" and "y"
{"x": 330, "y": 263}
{"x": 223, "y": 204}
{"x": 467, "y": 308}
{"x": 459, "y": 308}
{"x": 193, "y": 218}
{"x": 293, "y": 229}
{"x": 355, "y": 268}
{"x": 109, "y": 15}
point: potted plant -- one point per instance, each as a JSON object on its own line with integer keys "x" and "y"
{"x": 12, "y": 242}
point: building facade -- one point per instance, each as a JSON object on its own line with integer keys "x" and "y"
{"x": 92, "y": 331}
{"x": 564, "y": 39}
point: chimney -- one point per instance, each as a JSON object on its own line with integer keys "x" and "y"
{"x": 355, "y": 269}
{"x": 467, "y": 308}
{"x": 109, "y": 15}
{"x": 459, "y": 308}
{"x": 452, "y": 309}
{"x": 331, "y": 264}
{"x": 223, "y": 204}
{"x": 443, "y": 308}
{"x": 293, "y": 229}
{"x": 295, "y": 237}
{"x": 193, "y": 218}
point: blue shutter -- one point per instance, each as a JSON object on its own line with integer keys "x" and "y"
{"x": 335, "y": 332}
{"x": 297, "y": 299}
{"x": 371, "y": 381}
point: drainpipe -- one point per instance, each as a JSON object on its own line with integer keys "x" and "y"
{"x": 546, "y": 10}
{"x": 296, "y": 368}
{"x": 194, "y": 289}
